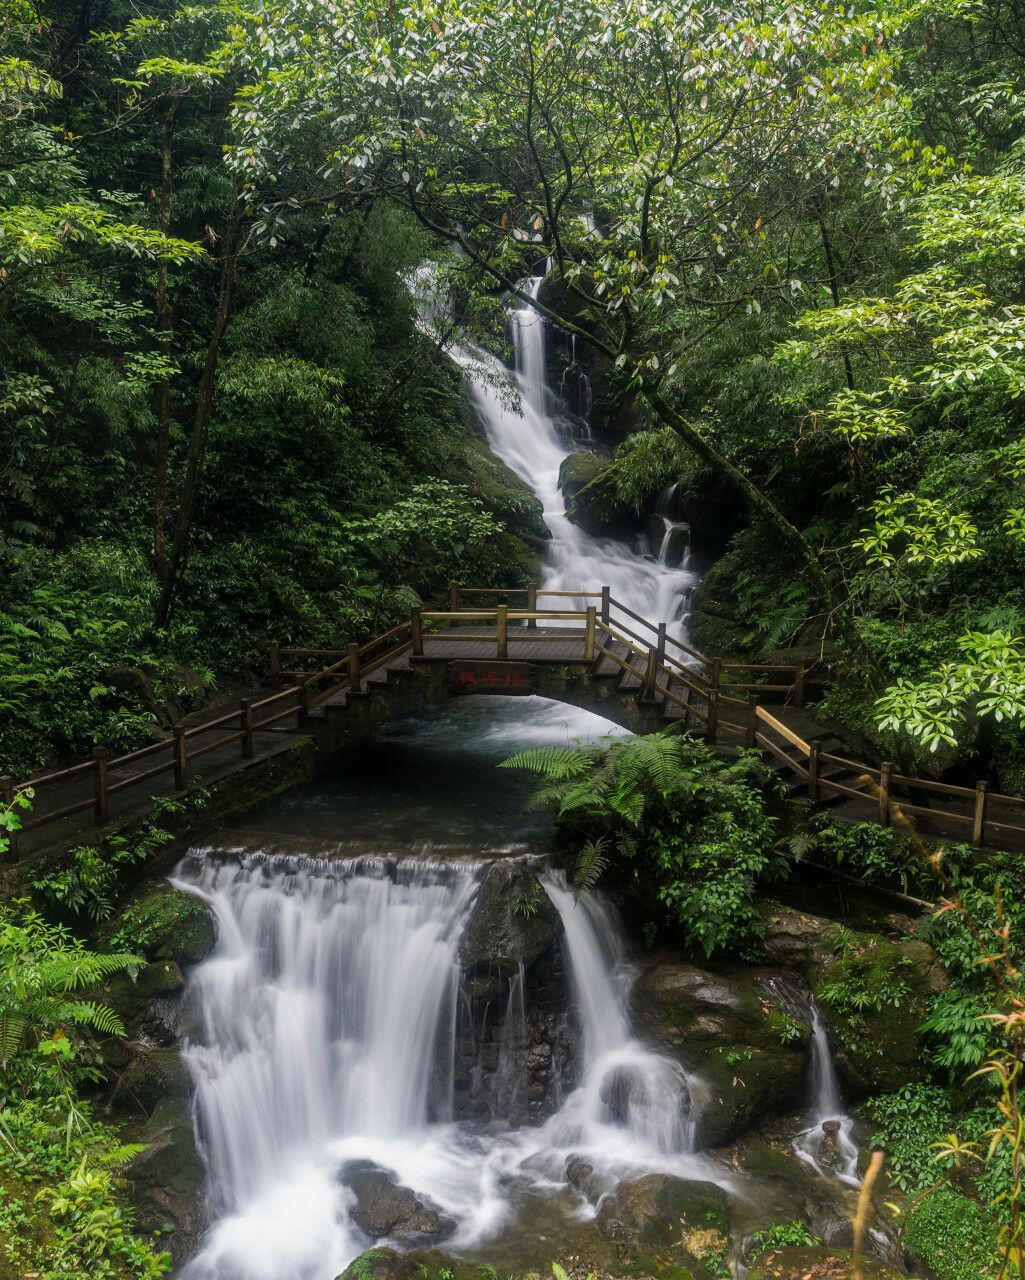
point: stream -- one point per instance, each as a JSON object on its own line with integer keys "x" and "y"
{"x": 334, "y": 1039}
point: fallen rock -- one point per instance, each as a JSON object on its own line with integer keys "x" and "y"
{"x": 165, "y": 923}
{"x": 796, "y": 939}
{"x": 386, "y": 1208}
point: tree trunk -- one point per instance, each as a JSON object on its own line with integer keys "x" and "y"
{"x": 197, "y": 440}
{"x": 162, "y": 397}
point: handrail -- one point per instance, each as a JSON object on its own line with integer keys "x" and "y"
{"x": 709, "y": 686}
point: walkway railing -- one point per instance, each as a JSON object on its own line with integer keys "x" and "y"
{"x": 717, "y": 698}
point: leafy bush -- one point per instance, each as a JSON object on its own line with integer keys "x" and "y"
{"x": 674, "y": 811}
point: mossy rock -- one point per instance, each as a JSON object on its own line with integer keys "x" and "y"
{"x": 875, "y": 994}
{"x": 166, "y": 1180}
{"x": 816, "y": 1264}
{"x": 165, "y": 923}
{"x": 729, "y": 1030}
{"x": 578, "y": 470}
{"x": 419, "y": 1264}
{"x": 34, "y": 1241}
{"x": 153, "y": 1076}
{"x": 513, "y": 922}
{"x": 659, "y": 1211}
{"x": 134, "y": 998}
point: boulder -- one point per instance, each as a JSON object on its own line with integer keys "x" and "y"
{"x": 166, "y": 1179}
{"x": 577, "y": 472}
{"x": 155, "y": 1074}
{"x": 513, "y": 921}
{"x": 165, "y": 923}
{"x": 386, "y": 1208}
{"x": 659, "y": 1211}
{"x": 796, "y": 939}
{"x": 420, "y": 1264}
{"x": 816, "y": 1264}
{"x": 728, "y": 1030}
{"x": 874, "y": 996}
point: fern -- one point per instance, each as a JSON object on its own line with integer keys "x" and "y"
{"x": 591, "y": 865}
{"x": 551, "y": 762}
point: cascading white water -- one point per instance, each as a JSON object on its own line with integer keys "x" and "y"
{"x": 826, "y": 1144}
{"x": 325, "y": 1027}
{"x": 526, "y": 436}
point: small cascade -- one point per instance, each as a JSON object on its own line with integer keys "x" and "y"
{"x": 323, "y": 1041}
{"x": 527, "y": 434}
{"x": 826, "y": 1144}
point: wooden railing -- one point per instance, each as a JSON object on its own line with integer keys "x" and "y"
{"x": 717, "y": 698}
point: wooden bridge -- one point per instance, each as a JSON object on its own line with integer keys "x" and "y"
{"x": 584, "y": 648}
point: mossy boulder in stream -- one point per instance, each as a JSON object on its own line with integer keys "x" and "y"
{"x": 590, "y": 504}
{"x": 165, "y": 923}
{"x": 168, "y": 1177}
{"x": 728, "y": 1029}
{"x": 659, "y": 1211}
{"x": 874, "y": 993}
{"x": 513, "y": 922}
{"x": 420, "y": 1264}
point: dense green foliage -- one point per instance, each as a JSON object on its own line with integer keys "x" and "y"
{"x": 676, "y": 818}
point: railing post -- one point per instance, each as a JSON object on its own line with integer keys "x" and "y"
{"x": 354, "y": 678}
{"x": 7, "y": 796}
{"x": 502, "y": 630}
{"x": 979, "y": 815}
{"x": 589, "y": 629}
{"x": 660, "y": 648}
{"x": 181, "y": 758}
{"x": 102, "y": 805}
{"x": 885, "y": 783}
{"x": 713, "y": 700}
{"x": 246, "y": 726}
{"x": 304, "y": 703}
{"x": 606, "y": 605}
{"x": 532, "y": 603}
{"x": 813, "y": 771}
{"x": 453, "y": 596}
{"x": 650, "y": 675}
{"x": 275, "y": 667}
{"x": 686, "y": 710}
{"x": 751, "y": 736}
{"x": 799, "y": 686}
{"x": 417, "y": 627}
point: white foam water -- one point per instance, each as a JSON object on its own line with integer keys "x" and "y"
{"x": 325, "y": 1032}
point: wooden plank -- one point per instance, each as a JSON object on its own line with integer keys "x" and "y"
{"x": 777, "y": 727}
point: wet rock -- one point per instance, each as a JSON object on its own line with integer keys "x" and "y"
{"x": 155, "y": 1074}
{"x": 659, "y": 1210}
{"x": 513, "y": 922}
{"x": 821, "y": 1263}
{"x": 728, "y": 1031}
{"x": 582, "y": 1176}
{"x": 420, "y": 1264}
{"x": 616, "y": 1090}
{"x": 386, "y": 1208}
{"x": 165, "y": 923}
{"x": 166, "y": 1180}
{"x": 578, "y": 470}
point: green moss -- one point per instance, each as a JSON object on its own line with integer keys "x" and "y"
{"x": 166, "y": 924}
{"x": 955, "y": 1236}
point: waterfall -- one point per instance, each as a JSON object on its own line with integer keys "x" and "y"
{"x": 526, "y": 435}
{"x": 826, "y": 1144}
{"x": 322, "y": 1032}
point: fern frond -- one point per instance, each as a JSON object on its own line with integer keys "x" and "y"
{"x": 590, "y": 866}
{"x": 120, "y": 1157}
{"x": 97, "y": 1017}
{"x": 12, "y": 1034}
{"x": 551, "y": 762}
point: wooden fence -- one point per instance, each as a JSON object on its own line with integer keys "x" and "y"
{"x": 719, "y": 699}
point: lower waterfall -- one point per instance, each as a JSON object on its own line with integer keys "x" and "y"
{"x": 323, "y": 1034}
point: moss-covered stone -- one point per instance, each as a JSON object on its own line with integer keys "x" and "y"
{"x": 165, "y": 923}
{"x": 875, "y": 996}
{"x": 730, "y": 1031}
{"x": 167, "y": 1179}
{"x": 153, "y": 1076}
{"x": 420, "y": 1264}
{"x": 513, "y": 922}
{"x": 659, "y": 1211}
